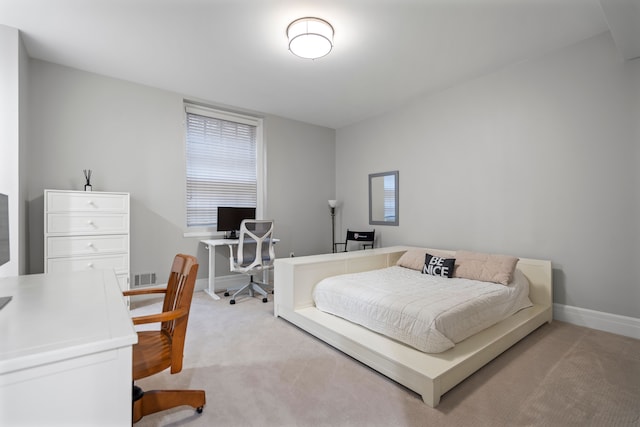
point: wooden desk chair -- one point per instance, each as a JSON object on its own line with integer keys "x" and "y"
{"x": 365, "y": 238}
{"x": 162, "y": 349}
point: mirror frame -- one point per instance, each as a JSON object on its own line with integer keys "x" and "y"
{"x": 395, "y": 174}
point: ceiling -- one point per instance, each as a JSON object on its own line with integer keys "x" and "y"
{"x": 234, "y": 52}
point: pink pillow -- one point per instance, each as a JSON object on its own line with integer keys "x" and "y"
{"x": 414, "y": 258}
{"x": 485, "y": 267}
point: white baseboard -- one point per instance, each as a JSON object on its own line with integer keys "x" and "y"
{"x": 225, "y": 282}
{"x": 614, "y": 323}
{"x": 201, "y": 285}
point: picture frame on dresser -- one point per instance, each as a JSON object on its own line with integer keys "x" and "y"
{"x": 87, "y": 231}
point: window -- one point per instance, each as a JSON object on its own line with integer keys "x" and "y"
{"x": 223, "y": 159}
{"x": 390, "y": 198}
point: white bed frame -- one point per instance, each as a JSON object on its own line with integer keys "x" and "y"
{"x": 430, "y": 375}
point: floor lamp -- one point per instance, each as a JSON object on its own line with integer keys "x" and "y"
{"x": 332, "y": 209}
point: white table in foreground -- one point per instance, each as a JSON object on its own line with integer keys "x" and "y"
{"x": 65, "y": 350}
{"x": 211, "y": 247}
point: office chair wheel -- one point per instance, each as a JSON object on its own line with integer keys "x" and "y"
{"x": 226, "y": 294}
{"x": 264, "y": 300}
{"x": 199, "y": 409}
{"x": 232, "y": 301}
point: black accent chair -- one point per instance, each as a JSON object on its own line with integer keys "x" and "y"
{"x": 365, "y": 238}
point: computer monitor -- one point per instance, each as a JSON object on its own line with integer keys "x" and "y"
{"x": 230, "y": 218}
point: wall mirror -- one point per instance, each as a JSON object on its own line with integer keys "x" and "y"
{"x": 383, "y": 198}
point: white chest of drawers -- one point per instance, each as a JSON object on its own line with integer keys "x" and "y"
{"x": 87, "y": 231}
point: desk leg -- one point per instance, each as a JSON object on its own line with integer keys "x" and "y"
{"x": 211, "y": 290}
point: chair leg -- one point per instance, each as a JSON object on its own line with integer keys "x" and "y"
{"x": 251, "y": 287}
{"x": 257, "y": 288}
{"x": 246, "y": 288}
{"x": 238, "y": 292}
{"x": 159, "y": 400}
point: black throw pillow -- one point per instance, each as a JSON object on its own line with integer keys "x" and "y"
{"x": 437, "y": 266}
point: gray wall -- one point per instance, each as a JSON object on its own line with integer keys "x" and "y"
{"x": 539, "y": 160}
{"x": 301, "y": 170}
{"x": 22, "y": 160}
{"x": 10, "y": 75}
{"x": 132, "y": 138}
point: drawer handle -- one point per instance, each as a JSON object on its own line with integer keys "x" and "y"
{"x": 90, "y": 244}
{"x": 90, "y": 265}
{"x": 89, "y": 222}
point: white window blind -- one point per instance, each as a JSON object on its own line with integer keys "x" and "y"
{"x": 389, "y": 198}
{"x": 221, "y": 153}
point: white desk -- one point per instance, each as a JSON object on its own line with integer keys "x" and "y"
{"x": 65, "y": 350}
{"x": 211, "y": 247}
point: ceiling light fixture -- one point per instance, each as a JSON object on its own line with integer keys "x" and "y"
{"x": 310, "y": 38}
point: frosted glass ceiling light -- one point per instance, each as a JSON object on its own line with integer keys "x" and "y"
{"x": 310, "y": 38}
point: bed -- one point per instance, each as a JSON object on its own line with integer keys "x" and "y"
{"x": 428, "y": 374}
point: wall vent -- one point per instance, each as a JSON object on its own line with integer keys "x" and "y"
{"x": 144, "y": 279}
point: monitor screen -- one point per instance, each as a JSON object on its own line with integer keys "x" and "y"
{"x": 229, "y": 218}
{"x": 4, "y": 229}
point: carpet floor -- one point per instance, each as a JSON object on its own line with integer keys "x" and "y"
{"x": 258, "y": 370}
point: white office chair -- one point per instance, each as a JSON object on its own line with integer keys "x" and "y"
{"x": 254, "y": 254}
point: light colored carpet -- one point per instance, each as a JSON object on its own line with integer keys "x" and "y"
{"x": 258, "y": 370}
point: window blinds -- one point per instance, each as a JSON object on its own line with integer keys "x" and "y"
{"x": 221, "y": 164}
{"x": 389, "y": 198}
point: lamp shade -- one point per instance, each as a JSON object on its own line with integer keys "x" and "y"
{"x": 310, "y": 38}
{"x": 333, "y": 203}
